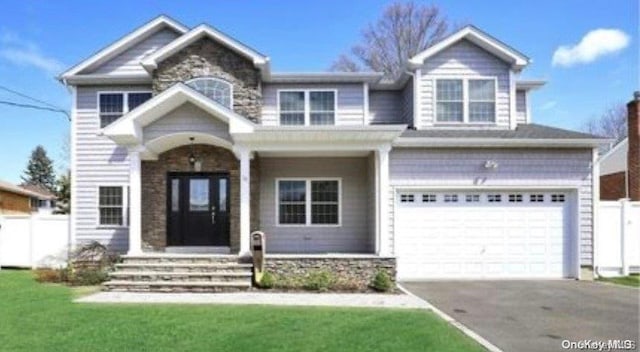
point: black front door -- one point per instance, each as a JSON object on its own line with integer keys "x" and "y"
{"x": 198, "y": 209}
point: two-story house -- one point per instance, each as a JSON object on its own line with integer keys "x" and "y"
{"x": 184, "y": 141}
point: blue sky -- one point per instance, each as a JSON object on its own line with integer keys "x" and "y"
{"x": 39, "y": 39}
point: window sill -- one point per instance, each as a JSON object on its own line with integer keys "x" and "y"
{"x": 308, "y": 226}
{"x": 112, "y": 227}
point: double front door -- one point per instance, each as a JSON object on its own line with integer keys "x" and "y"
{"x": 198, "y": 209}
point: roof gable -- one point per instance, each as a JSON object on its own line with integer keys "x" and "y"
{"x": 124, "y": 44}
{"x": 480, "y": 39}
{"x": 151, "y": 62}
{"x": 128, "y": 129}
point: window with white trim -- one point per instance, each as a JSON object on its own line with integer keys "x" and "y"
{"x": 536, "y": 198}
{"x": 429, "y": 198}
{"x": 450, "y": 198}
{"x": 472, "y": 198}
{"x": 308, "y": 202}
{"x": 113, "y": 105}
{"x": 215, "y": 89}
{"x": 307, "y": 107}
{"x": 112, "y": 209}
{"x": 515, "y": 198}
{"x": 407, "y": 198}
{"x": 469, "y": 100}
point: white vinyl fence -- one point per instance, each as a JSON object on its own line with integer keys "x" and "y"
{"x": 618, "y": 238}
{"x": 34, "y": 240}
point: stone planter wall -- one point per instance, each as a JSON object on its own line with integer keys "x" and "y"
{"x": 354, "y": 273}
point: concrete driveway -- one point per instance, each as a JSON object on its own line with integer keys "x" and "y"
{"x": 536, "y": 315}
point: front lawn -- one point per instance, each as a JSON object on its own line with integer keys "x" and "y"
{"x": 631, "y": 280}
{"x": 42, "y": 317}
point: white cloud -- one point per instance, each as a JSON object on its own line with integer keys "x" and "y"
{"x": 25, "y": 53}
{"x": 548, "y": 105}
{"x": 593, "y": 45}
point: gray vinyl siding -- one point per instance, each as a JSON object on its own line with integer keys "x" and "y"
{"x": 98, "y": 161}
{"x": 516, "y": 167}
{"x": 350, "y": 102}
{"x": 521, "y": 106}
{"x": 463, "y": 60}
{"x": 385, "y": 106}
{"x": 128, "y": 62}
{"x": 351, "y": 236}
{"x": 407, "y": 103}
{"x": 187, "y": 118}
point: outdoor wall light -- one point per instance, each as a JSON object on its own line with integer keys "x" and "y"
{"x": 490, "y": 164}
{"x": 194, "y": 161}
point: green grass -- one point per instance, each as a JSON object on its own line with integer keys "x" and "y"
{"x": 631, "y": 280}
{"x": 42, "y": 317}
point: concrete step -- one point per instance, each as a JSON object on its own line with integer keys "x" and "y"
{"x": 176, "y": 276}
{"x": 189, "y": 267}
{"x": 176, "y": 287}
{"x": 174, "y": 258}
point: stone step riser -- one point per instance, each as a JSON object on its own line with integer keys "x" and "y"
{"x": 181, "y": 278}
{"x": 189, "y": 269}
{"x": 179, "y": 261}
{"x": 173, "y": 289}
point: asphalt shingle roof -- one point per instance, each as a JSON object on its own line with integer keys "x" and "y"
{"x": 522, "y": 131}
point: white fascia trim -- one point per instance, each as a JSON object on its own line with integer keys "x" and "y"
{"x": 106, "y": 79}
{"x": 329, "y": 77}
{"x": 332, "y": 128}
{"x": 495, "y": 142}
{"x": 532, "y": 84}
{"x": 151, "y": 62}
{"x": 128, "y": 129}
{"x": 124, "y": 42}
{"x": 479, "y": 38}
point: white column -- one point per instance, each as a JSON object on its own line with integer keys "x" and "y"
{"x": 245, "y": 201}
{"x": 382, "y": 163}
{"x": 135, "y": 204}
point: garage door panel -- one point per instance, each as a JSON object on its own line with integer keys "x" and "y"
{"x": 516, "y": 239}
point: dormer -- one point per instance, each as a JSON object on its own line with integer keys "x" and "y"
{"x": 468, "y": 80}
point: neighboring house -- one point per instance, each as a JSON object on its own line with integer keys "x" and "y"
{"x": 620, "y": 166}
{"x": 25, "y": 199}
{"x": 184, "y": 140}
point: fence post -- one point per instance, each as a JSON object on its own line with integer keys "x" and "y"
{"x": 624, "y": 229}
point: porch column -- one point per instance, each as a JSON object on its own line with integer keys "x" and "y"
{"x": 245, "y": 201}
{"x": 135, "y": 204}
{"x": 382, "y": 161}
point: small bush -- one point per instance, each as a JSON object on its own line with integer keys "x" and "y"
{"x": 88, "y": 277}
{"x": 319, "y": 281}
{"x": 49, "y": 275}
{"x": 382, "y": 282}
{"x": 267, "y": 281}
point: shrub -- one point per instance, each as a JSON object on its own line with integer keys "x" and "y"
{"x": 382, "y": 282}
{"x": 49, "y": 275}
{"x": 344, "y": 284}
{"x": 319, "y": 281}
{"x": 267, "y": 281}
{"x": 88, "y": 277}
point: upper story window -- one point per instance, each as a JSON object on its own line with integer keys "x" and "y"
{"x": 216, "y": 89}
{"x": 307, "y": 107}
{"x": 112, "y": 105}
{"x": 466, "y": 100}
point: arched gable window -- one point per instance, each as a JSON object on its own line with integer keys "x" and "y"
{"x": 219, "y": 90}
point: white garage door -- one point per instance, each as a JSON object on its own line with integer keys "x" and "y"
{"x": 482, "y": 234}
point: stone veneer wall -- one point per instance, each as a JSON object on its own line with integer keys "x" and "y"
{"x": 357, "y": 270}
{"x": 154, "y": 191}
{"x": 207, "y": 58}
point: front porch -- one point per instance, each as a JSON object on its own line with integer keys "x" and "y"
{"x": 203, "y": 176}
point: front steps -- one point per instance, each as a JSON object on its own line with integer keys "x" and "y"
{"x": 165, "y": 272}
